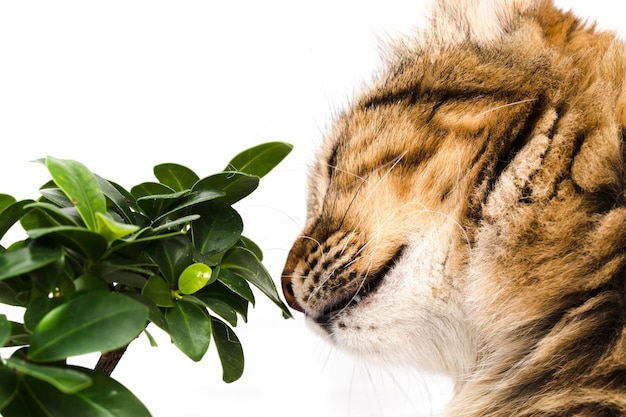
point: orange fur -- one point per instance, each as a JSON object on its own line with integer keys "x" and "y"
{"x": 481, "y": 179}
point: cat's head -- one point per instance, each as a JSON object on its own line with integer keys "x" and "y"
{"x": 379, "y": 265}
{"x": 466, "y": 213}
{"x": 383, "y": 241}
{"x": 411, "y": 169}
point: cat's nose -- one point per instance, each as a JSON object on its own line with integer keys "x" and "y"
{"x": 288, "y": 290}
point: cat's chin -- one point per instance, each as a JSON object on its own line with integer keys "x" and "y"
{"x": 403, "y": 321}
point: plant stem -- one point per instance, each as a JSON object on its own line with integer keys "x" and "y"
{"x": 109, "y": 360}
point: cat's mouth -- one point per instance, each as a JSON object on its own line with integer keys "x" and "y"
{"x": 369, "y": 287}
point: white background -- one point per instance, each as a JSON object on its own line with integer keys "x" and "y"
{"x": 124, "y": 85}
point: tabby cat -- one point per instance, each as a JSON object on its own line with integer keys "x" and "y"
{"x": 467, "y": 213}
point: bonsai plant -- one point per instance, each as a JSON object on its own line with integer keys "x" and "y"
{"x": 99, "y": 263}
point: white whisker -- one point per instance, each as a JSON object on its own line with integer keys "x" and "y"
{"x": 336, "y": 168}
{"x": 505, "y": 105}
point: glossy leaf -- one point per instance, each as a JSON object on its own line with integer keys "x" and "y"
{"x": 55, "y": 215}
{"x": 54, "y": 195}
{"x": 38, "y": 308}
{"x": 89, "y": 283}
{"x": 224, "y": 303}
{"x": 19, "y": 335}
{"x": 172, "y": 255}
{"x": 260, "y": 159}
{"x": 178, "y": 177}
{"x": 104, "y": 398}
{"x": 190, "y": 200}
{"x": 229, "y": 350}
{"x": 11, "y": 213}
{"x": 218, "y": 228}
{"x": 10, "y": 293}
{"x": 8, "y": 386}
{"x": 21, "y": 405}
{"x": 81, "y": 186}
{"x": 155, "y": 315}
{"x": 249, "y": 244}
{"x": 90, "y": 322}
{"x": 5, "y": 330}
{"x": 236, "y": 185}
{"x": 28, "y": 258}
{"x": 112, "y": 230}
{"x": 222, "y": 309}
{"x": 65, "y": 380}
{"x": 157, "y": 290}
{"x": 146, "y": 189}
{"x": 89, "y": 243}
{"x": 116, "y": 198}
{"x": 190, "y": 329}
{"x": 243, "y": 262}
{"x": 175, "y": 224}
{"x": 50, "y": 278}
{"x": 194, "y": 278}
{"x": 129, "y": 198}
{"x": 236, "y": 284}
{"x": 5, "y": 201}
{"x": 153, "y": 198}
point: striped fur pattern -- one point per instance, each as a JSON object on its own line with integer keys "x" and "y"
{"x": 467, "y": 213}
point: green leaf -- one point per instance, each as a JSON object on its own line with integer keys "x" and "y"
{"x": 56, "y": 196}
{"x": 5, "y": 201}
{"x": 222, "y": 309}
{"x": 5, "y": 330}
{"x": 65, "y": 380}
{"x": 236, "y": 284}
{"x": 194, "y": 278}
{"x": 8, "y": 386}
{"x": 89, "y": 243}
{"x": 55, "y": 215}
{"x": 260, "y": 159}
{"x": 27, "y": 258}
{"x": 155, "y": 315}
{"x": 90, "y": 322}
{"x": 190, "y": 200}
{"x": 117, "y": 198}
{"x": 153, "y": 198}
{"x": 12, "y": 213}
{"x": 176, "y": 176}
{"x": 38, "y": 308}
{"x": 251, "y": 246}
{"x": 50, "y": 278}
{"x": 175, "y": 224}
{"x": 21, "y": 405}
{"x": 90, "y": 282}
{"x": 81, "y": 186}
{"x": 244, "y": 263}
{"x": 128, "y": 197}
{"x": 10, "y": 290}
{"x": 190, "y": 329}
{"x": 151, "y": 339}
{"x": 19, "y": 335}
{"x": 150, "y": 188}
{"x": 229, "y": 350}
{"x": 218, "y": 228}
{"x": 224, "y": 302}
{"x": 157, "y": 290}
{"x": 236, "y": 185}
{"x": 112, "y": 230}
{"x": 104, "y": 398}
{"x": 172, "y": 255}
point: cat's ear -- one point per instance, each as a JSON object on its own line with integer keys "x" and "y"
{"x": 479, "y": 21}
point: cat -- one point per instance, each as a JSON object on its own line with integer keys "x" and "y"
{"x": 466, "y": 213}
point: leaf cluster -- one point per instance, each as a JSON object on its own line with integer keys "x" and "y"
{"x": 100, "y": 263}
